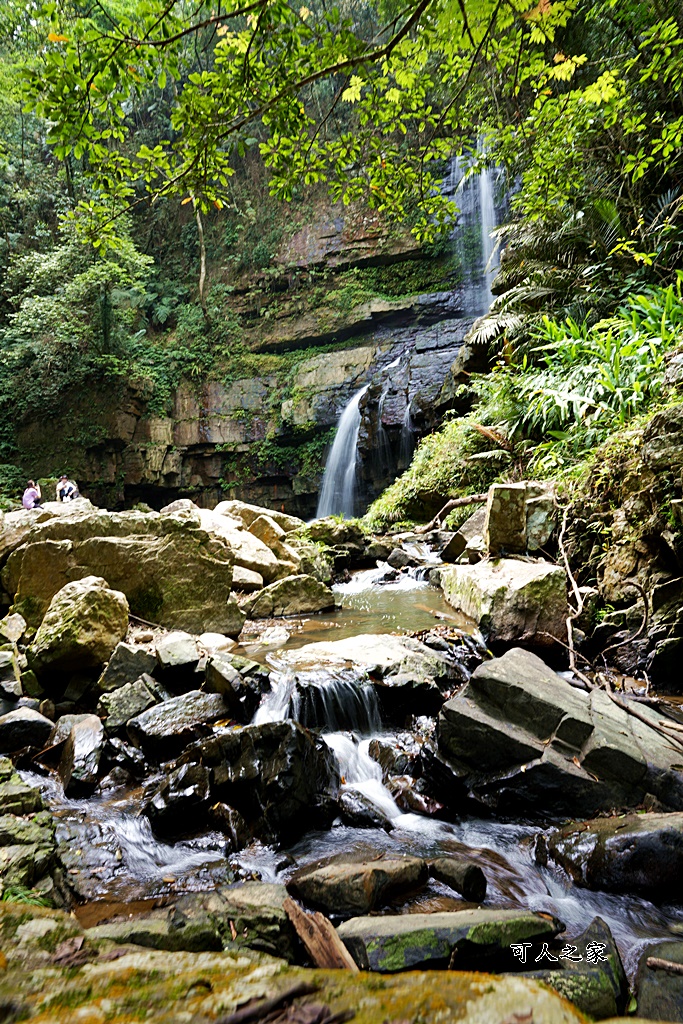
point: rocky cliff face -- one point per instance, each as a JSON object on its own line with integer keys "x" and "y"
{"x": 320, "y": 333}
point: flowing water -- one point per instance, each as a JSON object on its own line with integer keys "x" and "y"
{"x": 111, "y": 854}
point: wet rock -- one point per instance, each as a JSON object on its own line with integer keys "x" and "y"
{"x": 62, "y": 730}
{"x": 467, "y": 938}
{"x": 16, "y": 796}
{"x": 121, "y": 756}
{"x": 638, "y": 853}
{"x": 179, "y": 804}
{"x": 294, "y": 595}
{"x": 170, "y": 569}
{"x": 232, "y": 824}
{"x": 659, "y": 994}
{"x": 126, "y": 664}
{"x": 80, "y": 760}
{"x": 82, "y": 626}
{"x": 400, "y": 559}
{"x": 407, "y": 675}
{"x": 241, "y": 692}
{"x": 512, "y": 601}
{"x": 165, "y": 730}
{"x": 520, "y": 739}
{"x": 280, "y": 777}
{"x": 397, "y": 755}
{"x": 119, "y": 706}
{"x": 23, "y": 727}
{"x": 357, "y": 888}
{"x": 358, "y": 810}
{"x": 409, "y": 796}
{"x": 461, "y": 875}
{"x": 10, "y": 675}
{"x": 378, "y": 550}
{"x": 596, "y": 983}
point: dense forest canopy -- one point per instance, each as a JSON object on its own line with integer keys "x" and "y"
{"x": 145, "y": 143}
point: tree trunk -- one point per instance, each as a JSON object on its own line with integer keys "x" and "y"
{"x": 202, "y": 260}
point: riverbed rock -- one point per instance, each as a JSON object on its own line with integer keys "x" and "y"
{"x": 358, "y": 810}
{"x": 10, "y": 673}
{"x": 241, "y": 691}
{"x": 27, "y": 849}
{"x": 461, "y": 875}
{"x": 294, "y": 595}
{"x": 247, "y": 550}
{"x": 173, "y": 985}
{"x": 246, "y": 581}
{"x": 178, "y": 806}
{"x": 468, "y": 938}
{"x": 126, "y": 664}
{"x": 119, "y": 706}
{"x": 457, "y": 542}
{"x": 512, "y": 601}
{"x": 278, "y": 775}
{"x": 16, "y": 796}
{"x": 596, "y": 983}
{"x": 23, "y": 727}
{"x": 178, "y": 656}
{"x": 346, "y": 889}
{"x": 659, "y": 994}
{"x": 521, "y": 740}
{"x": 248, "y": 513}
{"x": 85, "y": 621}
{"x": 408, "y": 676}
{"x": 397, "y": 755}
{"x": 638, "y": 853}
{"x": 170, "y": 569}
{"x": 80, "y": 760}
{"x": 165, "y": 729}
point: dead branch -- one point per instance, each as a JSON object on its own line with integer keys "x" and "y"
{"x": 435, "y": 523}
{"x": 258, "y": 1010}
{"x": 578, "y": 597}
{"x": 643, "y": 624}
{"x": 319, "y": 937}
{"x": 656, "y": 963}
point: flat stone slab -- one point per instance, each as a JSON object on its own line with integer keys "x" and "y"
{"x": 411, "y": 941}
{"x": 356, "y": 888}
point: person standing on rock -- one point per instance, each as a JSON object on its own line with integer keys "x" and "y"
{"x": 31, "y": 497}
{"x": 67, "y": 490}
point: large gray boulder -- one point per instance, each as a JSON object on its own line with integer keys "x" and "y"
{"x": 639, "y": 853}
{"x": 520, "y": 739}
{"x": 416, "y": 941}
{"x": 294, "y": 595}
{"x": 511, "y": 600}
{"x": 249, "y": 513}
{"x": 119, "y": 706}
{"x": 85, "y": 621}
{"x": 170, "y": 569}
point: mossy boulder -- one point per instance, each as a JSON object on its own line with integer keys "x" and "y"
{"x": 294, "y": 595}
{"x": 85, "y": 621}
{"x": 512, "y": 601}
{"x": 170, "y": 569}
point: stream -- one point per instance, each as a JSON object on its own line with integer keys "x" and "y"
{"x": 117, "y": 859}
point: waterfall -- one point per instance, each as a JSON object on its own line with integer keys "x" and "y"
{"x": 475, "y": 198}
{"x": 335, "y": 703}
{"x": 338, "y": 491}
{"x": 407, "y": 442}
{"x": 487, "y": 224}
